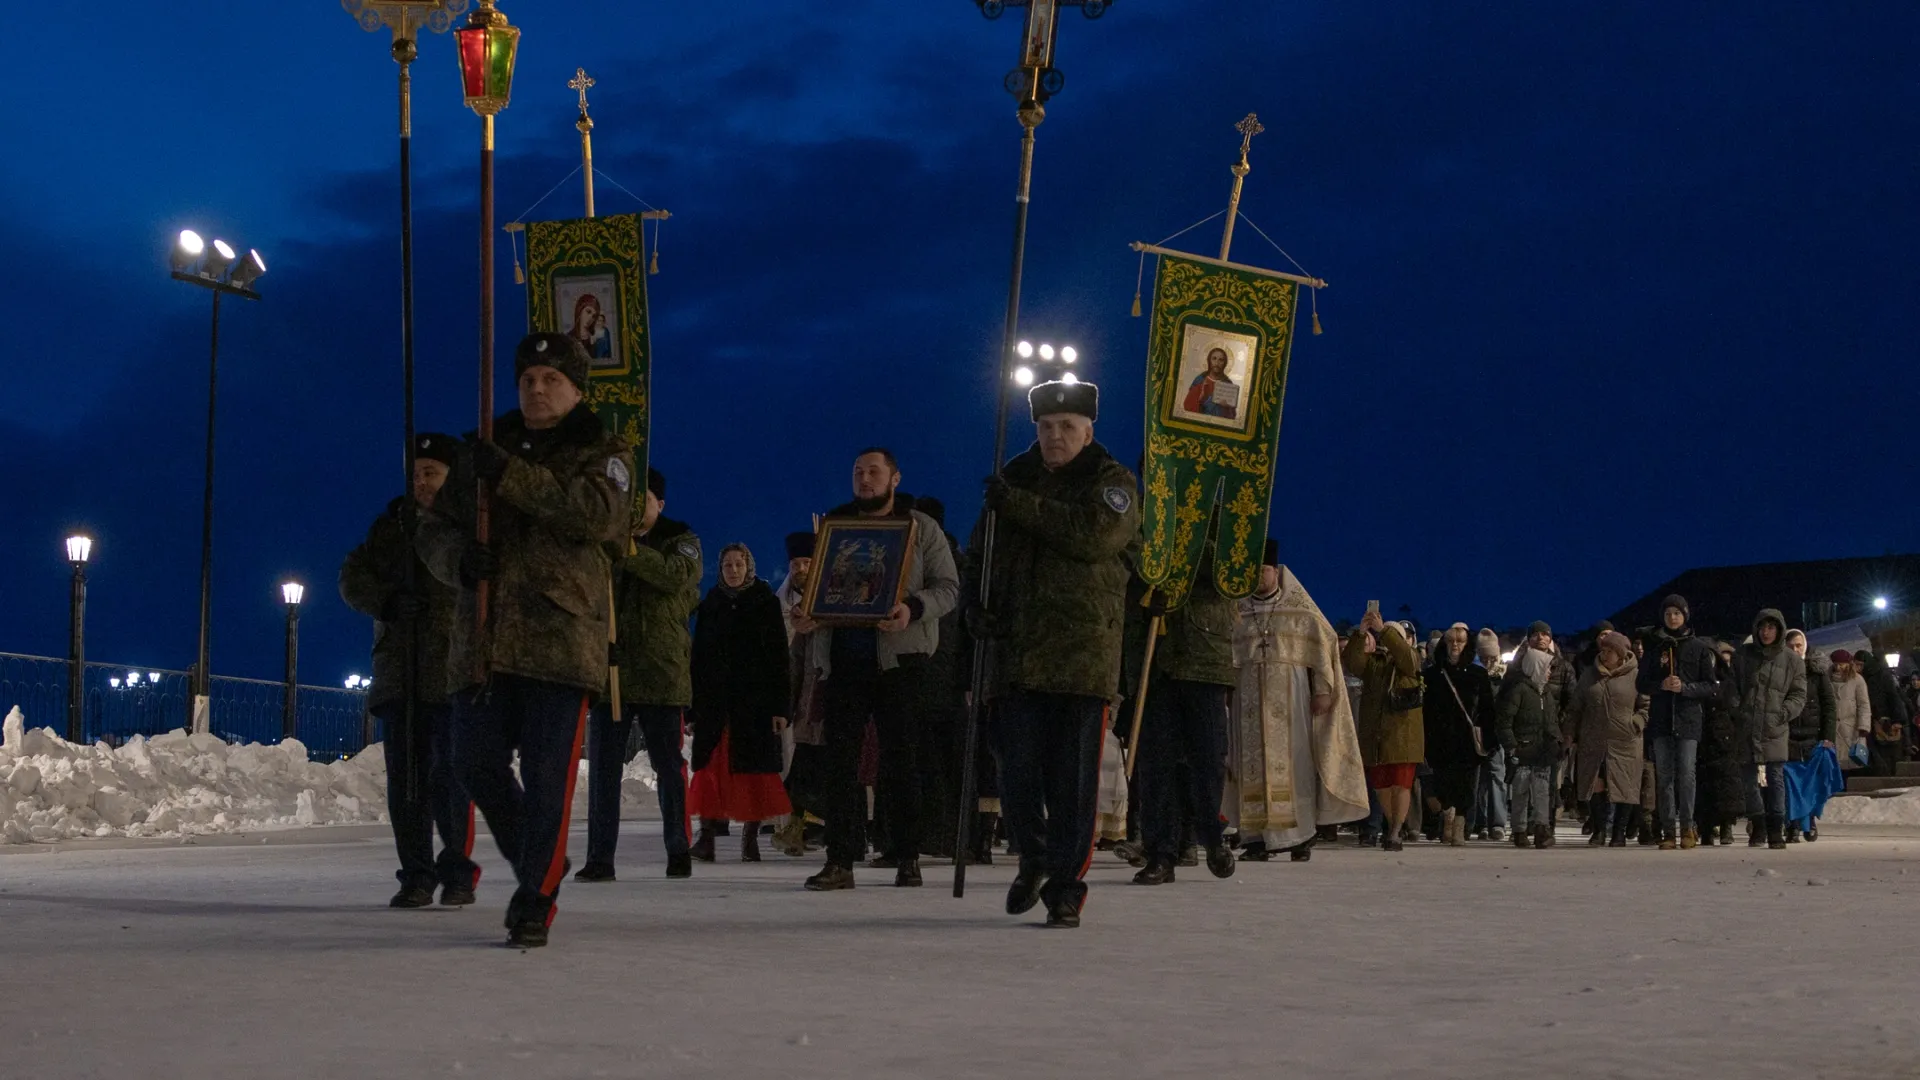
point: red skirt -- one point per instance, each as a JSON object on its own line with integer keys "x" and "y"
{"x": 720, "y": 794}
{"x": 1380, "y": 777}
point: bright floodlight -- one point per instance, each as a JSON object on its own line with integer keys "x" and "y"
{"x": 114, "y": 682}
{"x": 78, "y": 549}
{"x": 187, "y": 249}
{"x": 218, "y": 260}
{"x": 249, "y": 269}
{"x": 1893, "y": 661}
{"x": 1069, "y": 353}
{"x": 1069, "y": 378}
{"x": 1879, "y": 603}
{"x": 1025, "y": 349}
{"x": 292, "y": 591}
{"x": 353, "y": 681}
{"x": 1023, "y": 376}
{"x": 1046, "y": 352}
{"x": 132, "y": 677}
{"x": 1507, "y": 657}
{"x": 153, "y": 676}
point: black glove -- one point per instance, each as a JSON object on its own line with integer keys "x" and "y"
{"x": 477, "y": 564}
{"x": 997, "y": 491}
{"x": 980, "y": 622}
{"x": 489, "y": 460}
{"x": 404, "y": 606}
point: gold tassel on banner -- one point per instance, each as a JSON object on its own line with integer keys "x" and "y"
{"x": 653, "y": 267}
{"x": 1139, "y": 276}
{"x": 1316, "y": 313}
{"x": 1136, "y": 305}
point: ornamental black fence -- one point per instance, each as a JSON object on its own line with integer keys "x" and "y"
{"x": 121, "y": 702}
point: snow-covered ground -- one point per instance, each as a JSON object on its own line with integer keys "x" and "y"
{"x": 192, "y": 785}
{"x": 1901, "y": 809}
{"x": 273, "y": 955}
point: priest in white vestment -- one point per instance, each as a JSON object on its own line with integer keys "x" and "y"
{"x": 1294, "y": 758}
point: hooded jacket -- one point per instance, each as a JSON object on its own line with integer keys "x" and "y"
{"x": 1606, "y": 724}
{"x": 1768, "y": 689}
{"x": 1527, "y": 717}
{"x": 1818, "y": 718}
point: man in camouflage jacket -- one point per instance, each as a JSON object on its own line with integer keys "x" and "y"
{"x": 561, "y": 489}
{"x": 656, "y": 586}
{"x": 1064, "y": 514}
{"x": 422, "y": 792}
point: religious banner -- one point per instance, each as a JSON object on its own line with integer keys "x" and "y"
{"x": 1216, "y": 377}
{"x": 587, "y": 279}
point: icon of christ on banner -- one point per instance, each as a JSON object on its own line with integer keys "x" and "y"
{"x": 1216, "y": 369}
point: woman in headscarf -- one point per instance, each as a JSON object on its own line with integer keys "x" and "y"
{"x": 1528, "y": 726}
{"x": 1720, "y": 779}
{"x": 1458, "y": 711}
{"x": 1853, "y": 709}
{"x": 1891, "y": 713}
{"x": 740, "y": 697}
{"x": 1608, "y": 727}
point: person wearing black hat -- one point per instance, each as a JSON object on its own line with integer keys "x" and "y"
{"x": 1678, "y": 675}
{"x": 805, "y": 735}
{"x": 656, "y": 586}
{"x": 422, "y": 792}
{"x": 560, "y": 496}
{"x": 1064, "y": 513}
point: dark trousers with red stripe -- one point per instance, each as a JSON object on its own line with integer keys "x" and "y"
{"x": 664, "y": 731}
{"x": 439, "y": 800}
{"x": 1185, "y": 724}
{"x": 547, "y": 723}
{"x": 1049, "y": 749}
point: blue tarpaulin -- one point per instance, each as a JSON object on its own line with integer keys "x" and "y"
{"x": 1810, "y": 783}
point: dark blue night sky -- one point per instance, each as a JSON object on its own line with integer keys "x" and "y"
{"x": 1617, "y": 289}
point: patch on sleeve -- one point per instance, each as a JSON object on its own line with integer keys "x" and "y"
{"x": 687, "y": 548}
{"x": 617, "y": 472}
{"x": 1118, "y": 499}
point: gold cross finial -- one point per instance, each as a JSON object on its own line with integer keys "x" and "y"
{"x": 1248, "y": 128}
{"x": 581, "y": 82}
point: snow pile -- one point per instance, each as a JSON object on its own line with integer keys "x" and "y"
{"x": 174, "y": 785}
{"x": 182, "y": 785}
{"x": 1901, "y": 809}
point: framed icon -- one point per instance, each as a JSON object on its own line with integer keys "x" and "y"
{"x": 859, "y": 570}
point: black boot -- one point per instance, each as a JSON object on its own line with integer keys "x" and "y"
{"x": 1026, "y": 890}
{"x": 1726, "y": 835}
{"x": 1756, "y": 833}
{"x": 1617, "y": 836}
{"x": 1706, "y": 835}
{"x": 1301, "y": 852}
{"x": 1793, "y": 833}
{"x": 984, "y": 826}
{"x": 456, "y": 895}
{"x": 1220, "y": 860}
{"x": 1813, "y": 829}
{"x": 703, "y": 843}
{"x": 412, "y": 896}
{"x": 679, "y": 866}
{"x": 1063, "y": 913}
{"x": 1776, "y": 832}
{"x": 750, "y": 842}
{"x": 831, "y": 878}
{"x": 1190, "y": 855}
{"x": 908, "y": 875}
{"x": 1598, "y": 809}
{"x": 1159, "y": 871}
{"x": 595, "y": 871}
{"x": 1255, "y": 852}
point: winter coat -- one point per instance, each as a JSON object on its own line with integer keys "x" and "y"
{"x": 1059, "y": 580}
{"x": 1853, "y": 711}
{"x": 1386, "y": 737}
{"x": 1678, "y": 714}
{"x": 1721, "y": 774}
{"x": 371, "y": 581}
{"x": 1450, "y": 721}
{"x": 1768, "y": 689}
{"x": 1816, "y": 721}
{"x": 1889, "y": 705}
{"x": 1526, "y": 719}
{"x": 1196, "y": 641}
{"x": 1608, "y": 728}
{"x": 655, "y": 590}
{"x": 566, "y": 494}
{"x": 932, "y": 589}
{"x": 739, "y": 678}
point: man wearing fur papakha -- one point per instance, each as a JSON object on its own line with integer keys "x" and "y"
{"x": 1066, "y": 512}
{"x": 561, "y": 492}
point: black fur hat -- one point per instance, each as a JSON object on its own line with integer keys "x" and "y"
{"x": 657, "y": 483}
{"x": 557, "y": 351}
{"x": 1271, "y": 556}
{"x": 1064, "y": 397}
{"x": 434, "y": 446}
{"x": 799, "y": 545}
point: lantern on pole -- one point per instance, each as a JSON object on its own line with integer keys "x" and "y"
{"x": 486, "y": 48}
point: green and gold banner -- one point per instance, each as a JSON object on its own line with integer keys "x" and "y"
{"x": 1216, "y": 377}
{"x": 587, "y": 278}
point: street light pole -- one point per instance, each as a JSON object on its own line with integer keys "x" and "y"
{"x": 1032, "y": 83}
{"x": 200, "y": 671}
{"x": 291, "y": 593}
{"x": 79, "y": 548}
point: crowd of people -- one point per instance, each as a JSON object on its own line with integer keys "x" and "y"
{"x": 545, "y": 609}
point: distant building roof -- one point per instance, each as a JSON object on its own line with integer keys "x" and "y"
{"x": 1724, "y": 599}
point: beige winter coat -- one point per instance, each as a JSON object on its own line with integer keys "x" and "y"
{"x": 1855, "y": 716}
